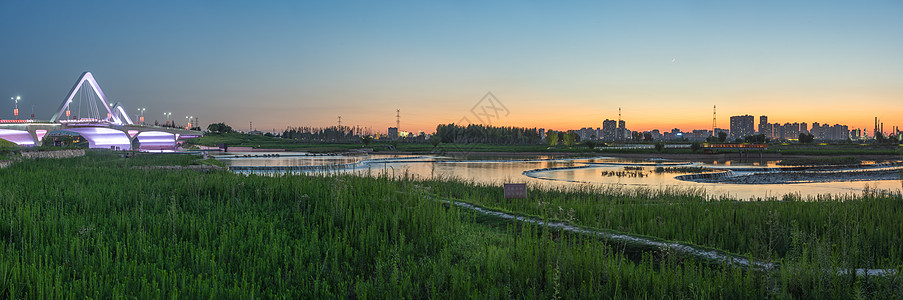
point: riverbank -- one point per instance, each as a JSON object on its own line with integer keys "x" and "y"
{"x": 496, "y": 153}
{"x": 108, "y": 228}
{"x": 753, "y": 157}
{"x": 791, "y": 177}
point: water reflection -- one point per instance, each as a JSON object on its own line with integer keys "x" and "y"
{"x": 554, "y": 171}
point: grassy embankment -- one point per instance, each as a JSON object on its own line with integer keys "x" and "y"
{"x": 95, "y": 226}
{"x": 258, "y": 141}
{"x": 235, "y": 139}
{"x": 7, "y": 149}
{"x": 820, "y": 161}
{"x": 789, "y": 149}
{"x": 835, "y": 149}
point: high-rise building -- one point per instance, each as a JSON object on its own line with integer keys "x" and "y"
{"x": 622, "y": 130}
{"x": 790, "y": 131}
{"x": 393, "y": 133}
{"x": 609, "y": 130}
{"x": 804, "y": 128}
{"x": 763, "y": 125}
{"x": 742, "y": 126}
{"x": 838, "y": 132}
{"x": 588, "y": 133}
{"x": 816, "y": 131}
{"x": 701, "y": 134}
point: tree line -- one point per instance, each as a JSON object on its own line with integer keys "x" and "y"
{"x": 478, "y": 133}
{"x": 333, "y": 133}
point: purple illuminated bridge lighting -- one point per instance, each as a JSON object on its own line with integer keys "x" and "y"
{"x": 86, "y": 112}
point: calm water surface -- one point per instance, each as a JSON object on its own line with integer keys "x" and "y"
{"x": 565, "y": 171}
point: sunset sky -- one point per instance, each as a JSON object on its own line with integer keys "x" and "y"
{"x": 559, "y": 65}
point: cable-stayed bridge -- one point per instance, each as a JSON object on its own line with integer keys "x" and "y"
{"x": 87, "y": 113}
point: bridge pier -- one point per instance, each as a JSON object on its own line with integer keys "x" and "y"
{"x": 34, "y": 137}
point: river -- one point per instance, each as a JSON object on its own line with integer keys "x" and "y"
{"x": 548, "y": 171}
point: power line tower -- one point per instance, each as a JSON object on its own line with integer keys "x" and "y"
{"x": 340, "y": 121}
{"x": 714, "y": 110}
{"x": 397, "y": 119}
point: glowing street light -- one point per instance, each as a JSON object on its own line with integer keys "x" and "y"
{"x": 16, "y": 110}
{"x": 141, "y": 115}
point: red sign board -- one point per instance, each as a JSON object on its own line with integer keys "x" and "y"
{"x": 515, "y": 190}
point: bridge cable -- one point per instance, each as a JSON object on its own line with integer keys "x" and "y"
{"x": 90, "y": 104}
{"x": 81, "y": 97}
{"x": 93, "y": 101}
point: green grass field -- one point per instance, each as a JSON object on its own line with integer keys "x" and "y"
{"x": 101, "y": 227}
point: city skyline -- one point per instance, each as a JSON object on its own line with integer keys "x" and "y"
{"x": 305, "y": 64}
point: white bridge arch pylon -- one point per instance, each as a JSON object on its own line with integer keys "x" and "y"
{"x": 115, "y": 114}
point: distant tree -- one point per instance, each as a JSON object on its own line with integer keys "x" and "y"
{"x": 435, "y": 140}
{"x": 219, "y": 128}
{"x": 722, "y": 136}
{"x": 590, "y": 144}
{"x": 647, "y": 136}
{"x": 756, "y": 139}
{"x": 478, "y": 133}
{"x": 552, "y": 138}
{"x": 695, "y": 146}
{"x": 637, "y": 136}
{"x": 880, "y": 138}
{"x": 806, "y": 138}
{"x": 366, "y": 140}
{"x": 570, "y": 138}
{"x": 660, "y": 146}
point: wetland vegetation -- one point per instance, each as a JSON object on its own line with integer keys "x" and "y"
{"x": 682, "y": 169}
{"x": 103, "y": 226}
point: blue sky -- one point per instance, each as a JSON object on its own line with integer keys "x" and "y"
{"x": 553, "y": 64}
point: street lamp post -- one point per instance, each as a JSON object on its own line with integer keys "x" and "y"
{"x": 189, "y": 122}
{"x": 167, "y": 114}
{"x": 141, "y": 115}
{"x": 16, "y": 110}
